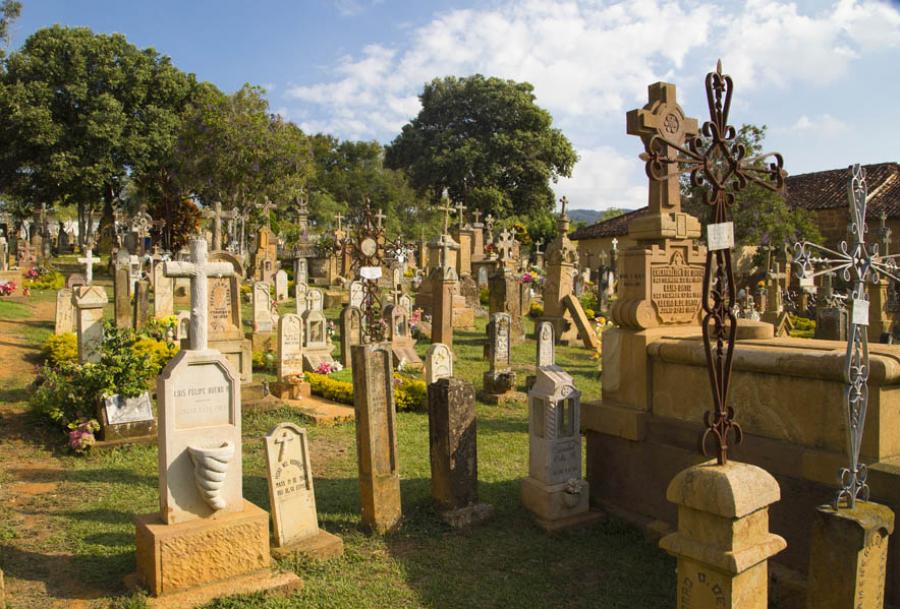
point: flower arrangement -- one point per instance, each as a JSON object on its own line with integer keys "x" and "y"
{"x": 7, "y": 288}
{"x": 526, "y": 278}
{"x": 32, "y": 273}
{"x": 327, "y": 368}
{"x": 81, "y": 434}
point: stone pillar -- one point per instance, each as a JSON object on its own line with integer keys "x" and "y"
{"x": 477, "y": 242}
{"x": 141, "y": 303}
{"x": 122, "y": 298}
{"x": 848, "y": 557}
{"x": 454, "y": 456}
{"x": 505, "y": 297}
{"x": 442, "y": 309}
{"x": 464, "y": 261}
{"x": 376, "y": 436}
{"x": 90, "y": 300}
{"x": 723, "y": 541}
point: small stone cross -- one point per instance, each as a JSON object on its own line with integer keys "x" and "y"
{"x": 339, "y": 217}
{"x": 380, "y": 217}
{"x": 615, "y": 243}
{"x": 266, "y": 208}
{"x": 477, "y": 214}
{"x": 885, "y": 233}
{"x": 88, "y": 262}
{"x": 460, "y": 208}
{"x": 216, "y": 215}
{"x": 285, "y": 437}
{"x": 505, "y": 244}
{"x": 563, "y": 203}
{"x": 448, "y": 210}
{"x": 199, "y": 269}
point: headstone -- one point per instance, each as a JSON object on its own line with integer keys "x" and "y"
{"x": 438, "y": 363}
{"x": 290, "y": 346}
{"x": 301, "y": 290}
{"x": 302, "y": 271}
{"x": 453, "y": 449}
{"x": 75, "y": 279}
{"x": 402, "y": 342}
{"x": 500, "y": 379}
{"x": 316, "y": 346}
{"x": 505, "y": 297}
{"x": 281, "y": 286}
{"x": 65, "y": 312}
{"x": 141, "y": 303}
{"x": 405, "y": 301}
{"x": 88, "y": 261}
{"x": 357, "y": 294}
{"x": 314, "y": 299}
{"x": 123, "y": 298}
{"x": 263, "y": 320}
{"x": 124, "y": 418}
{"x": 134, "y": 273}
{"x": 554, "y": 491}
{"x": 163, "y": 293}
{"x": 546, "y": 347}
{"x": 376, "y": 436}
{"x": 351, "y": 333}
{"x": 89, "y": 302}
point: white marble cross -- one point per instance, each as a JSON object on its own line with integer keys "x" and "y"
{"x": 88, "y": 262}
{"x": 199, "y": 269}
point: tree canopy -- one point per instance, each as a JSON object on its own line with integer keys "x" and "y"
{"x": 485, "y": 142}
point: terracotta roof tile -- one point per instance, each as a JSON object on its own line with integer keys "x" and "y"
{"x": 828, "y": 189}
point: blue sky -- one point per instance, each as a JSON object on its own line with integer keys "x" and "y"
{"x": 821, "y": 74}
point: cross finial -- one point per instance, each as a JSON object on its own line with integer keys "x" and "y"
{"x": 338, "y": 217}
{"x": 477, "y": 214}
{"x": 379, "y": 216}
{"x": 267, "y": 206}
{"x": 460, "y": 208}
{"x": 88, "y": 262}
{"x": 615, "y": 243}
{"x": 448, "y": 210}
{"x": 563, "y": 202}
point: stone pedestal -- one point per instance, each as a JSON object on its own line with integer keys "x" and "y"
{"x": 454, "y": 454}
{"x": 848, "y": 557}
{"x": 499, "y": 387}
{"x": 723, "y": 541}
{"x": 290, "y": 388}
{"x": 442, "y": 309}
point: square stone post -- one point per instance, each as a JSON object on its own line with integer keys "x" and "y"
{"x": 442, "y": 308}
{"x": 848, "y": 557}
{"x": 723, "y": 542}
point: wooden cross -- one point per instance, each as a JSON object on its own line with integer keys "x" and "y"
{"x": 448, "y": 210}
{"x": 199, "y": 270}
{"x": 266, "y": 208}
{"x": 285, "y": 437}
{"x": 88, "y": 262}
{"x": 216, "y": 215}
{"x": 460, "y": 208}
{"x": 662, "y": 116}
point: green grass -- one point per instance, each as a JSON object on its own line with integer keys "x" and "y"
{"x": 10, "y": 310}
{"x": 507, "y": 562}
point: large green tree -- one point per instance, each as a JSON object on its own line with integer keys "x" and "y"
{"x": 486, "y": 142}
{"x": 82, "y": 113}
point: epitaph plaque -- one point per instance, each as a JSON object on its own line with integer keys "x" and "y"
{"x": 65, "y": 312}
{"x": 376, "y": 436}
{"x": 200, "y": 439}
{"x": 438, "y": 363}
{"x": 291, "y": 493}
{"x": 290, "y": 346}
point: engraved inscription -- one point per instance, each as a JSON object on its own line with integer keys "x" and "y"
{"x": 202, "y": 397}
{"x": 676, "y": 290}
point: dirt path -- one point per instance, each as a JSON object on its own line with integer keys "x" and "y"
{"x": 31, "y": 490}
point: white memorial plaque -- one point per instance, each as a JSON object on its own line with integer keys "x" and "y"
{"x": 720, "y": 236}
{"x": 860, "y": 312}
{"x": 807, "y": 281}
{"x": 370, "y": 272}
{"x": 128, "y": 410}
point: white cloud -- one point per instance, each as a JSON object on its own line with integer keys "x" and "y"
{"x": 600, "y": 181}
{"x": 823, "y": 125}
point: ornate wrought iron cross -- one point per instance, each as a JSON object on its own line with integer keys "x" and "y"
{"x": 858, "y": 263}
{"x": 717, "y": 164}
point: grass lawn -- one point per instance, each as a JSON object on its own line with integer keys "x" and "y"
{"x": 75, "y": 542}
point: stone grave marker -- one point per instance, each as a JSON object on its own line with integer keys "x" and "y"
{"x": 74, "y": 280}
{"x": 184, "y": 325}
{"x": 402, "y": 342}
{"x": 301, "y": 290}
{"x": 89, "y": 302}
{"x": 546, "y": 345}
{"x": 357, "y": 294}
{"x": 122, "y": 297}
{"x": 290, "y": 346}
{"x": 65, "y": 312}
{"x": 316, "y": 346}
{"x": 438, "y": 363}
{"x": 302, "y": 271}
{"x": 163, "y": 293}
{"x": 141, "y": 303}
{"x": 263, "y": 319}
{"x": 281, "y": 286}
{"x": 406, "y": 302}
{"x": 351, "y": 332}
{"x": 500, "y": 379}
{"x": 292, "y": 497}
{"x": 126, "y": 418}
{"x": 88, "y": 261}
{"x": 314, "y": 299}
{"x": 376, "y": 436}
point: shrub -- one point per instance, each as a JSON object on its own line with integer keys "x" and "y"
{"x": 46, "y": 280}
{"x": 410, "y": 394}
{"x": 159, "y": 328}
{"x": 484, "y": 297}
{"x": 329, "y": 388}
{"x": 588, "y": 300}
{"x": 264, "y": 361}
{"x": 589, "y": 313}
{"x": 60, "y": 348}
{"x": 157, "y": 352}
{"x": 536, "y": 310}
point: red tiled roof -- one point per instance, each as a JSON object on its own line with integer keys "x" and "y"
{"x": 613, "y": 227}
{"x": 828, "y": 189}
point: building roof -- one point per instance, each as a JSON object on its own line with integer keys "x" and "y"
{"x": 613, "y": 227}
{"x": 828, "y": 189}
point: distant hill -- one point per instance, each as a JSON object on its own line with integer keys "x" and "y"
{"x": 584, "y": 215}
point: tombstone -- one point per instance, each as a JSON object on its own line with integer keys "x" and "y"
{"x": 314, "y": 300}
{"x": 554, "y": 491}
{"x": 74, "y": 280}
{"x": 89, "y": 302}
{"x": 406, "y": 302}
{"x": 301, "y": 271}
{"x": 438, "y": 363}
{"x": 123, "y": 418}
{"x": 290, "y": 346}
{"x": 291, "y": 495}
{"x": 546, "y": 345}
{"x": 453, "y": 450}
{"x": 351, "y": 332}
{"x": 506, "y": 297}
{"x": 135, "y": 272}
{"x": 4, "y": 254}
{"x": 88, "y": 261}
{"x": 205, "y": 530}
{"x": 376, "y": 436}
{"x": 500, "y": 380}
{"x": 483, "y": 276}
{"x": 402, "y": 342}
{"x": 122, "y": 297}
{"x": 263, "y": 320}
{"x": 141, "y": 304}
{"x": 65, "y": 312}
{"x": 281, "y": 286}
{"x": 357, "y": 294}
{"x": 301, "y": 290}
{"x": 163, "y": 293}
{"x": 316, "y": 346}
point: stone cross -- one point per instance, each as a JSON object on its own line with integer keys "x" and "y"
{"x": 217, "y": 215}
{"x": 460, "y": 208}
{"x": 615, "y": 243}
{"x": 477, "y": 214}
{"x": 266, "y": 208}
{"x": 448, "y": 210}
{"x": 88, "y": 262}
{"x": 199, "y": 269}
{"x": 505, "y": 244}
{"x": 563, "y": 203}
{"x": 663, "y": 117}
{"x": 339, "y": 217}
{"x": 489, "y": 224}
{"x": 884, "y": 232}
{"x": 380, "y": 217}
{"x": 141, "y": 223}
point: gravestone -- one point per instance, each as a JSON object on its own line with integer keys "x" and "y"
{"x": 263, "y": 320}
{"x": 438, "y": 363}
{"x": 317, "y": 348}
{"x": 124, "y": 418}
{"x": 406, "y": 302}
{"x": 88, "y": 261}
{"x": 141, "y": 303}
{"x": 505, "y": 297}
{"x": 301, "y": 271}
{"x": 163, "y": 293}
{"x": 500, "y": 380}
{"x": 226, "y": 333}
{"x": 357, "y": 294}
{"x": 314, "y": 300}
{"x": 281, "y": 286}
{"x": 376, "y": 436}
{"x": 290, "y": 346}
{"x": 75, "y": 279}
{"x": 292, "y": 497}
{"x": 65, "y": 312}
{"x": 89, "y": 302}
{"x": 546, "y": 345}
{"x": 554, "y": 491}
{"x": 301, "y": 290}
{"x": 122, "y": 291}
{"x": 351, "y": 332}
{"x": 453, "y": 450}
{"x": 402, "y": 342}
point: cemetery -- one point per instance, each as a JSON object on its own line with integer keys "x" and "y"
{"x": 279, "y": 369}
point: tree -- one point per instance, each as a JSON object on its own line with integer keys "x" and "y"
{"x": 486, "y": 143}
{"x": 231, "y": 149}
{"x": 612, "y": 212}
{"x": 80, "y": 113}
{"x": 9, "y": 12}
{"x": 760, "y": 216}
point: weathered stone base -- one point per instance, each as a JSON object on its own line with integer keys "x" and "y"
{"x": 553, "y": 503}
{"x": 178, "y": 557}
{"x": 314, "y": 358}
{"x": 323, "y": 546}
{"x": 323, "y": 412}
{"x": 293, "y": 389}
{"x": 498, "y": 381}
{"x": 335, "y": 299}
{"x": 589, "y": 518}
{"x": 503, "y": 399}
{"x": 468, "y": 516}
{"x": 263, "y": 580}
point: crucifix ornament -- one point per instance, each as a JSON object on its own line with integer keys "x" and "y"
{"x": 858, "y": 263}
{"x": 719, "y": 168}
